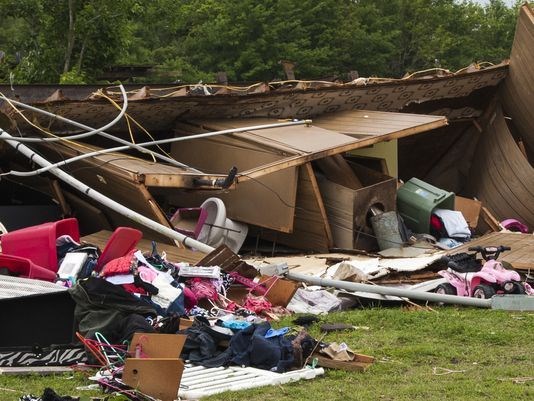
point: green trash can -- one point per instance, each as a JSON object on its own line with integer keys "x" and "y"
{"x": 416, "y": 200}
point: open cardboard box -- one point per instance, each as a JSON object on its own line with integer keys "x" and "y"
{"x": 470, "y": 209}
{"x": 280, "y": 291}
{"x": 156, "y": 368}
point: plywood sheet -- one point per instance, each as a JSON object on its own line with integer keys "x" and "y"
{"x": 501, "y": 177}
{"x": 362, "y": 123}
{"x": 517, "y": 93}
{"x": 521, "y": 257}
{"x": 266, "y": 201}
{"x": 311, "y": 229}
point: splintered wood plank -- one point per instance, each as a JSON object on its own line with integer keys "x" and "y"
{"x": 117, "y": 184}
{"x": 521, "y": 257}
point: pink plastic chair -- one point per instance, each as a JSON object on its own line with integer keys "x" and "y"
{"x": 23, "y": 267}
{"x": 38, "y": 243}
{"x": 122, "y": 241}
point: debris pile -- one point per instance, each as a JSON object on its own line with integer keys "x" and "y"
{"x": 176, "y": 270}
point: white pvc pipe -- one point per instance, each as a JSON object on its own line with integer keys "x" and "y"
{"x": 161, "y": 141}
{"x": 85, "y": 134}
{"x": 104, "y": 200}
{"x": 377, "y": 289}
{"x": 102, "y": 133}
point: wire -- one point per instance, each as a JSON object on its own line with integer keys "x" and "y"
{"x": 71, "y": 137}
{"x": 128, "y": 118}
{"x": 151, "y": 143}
{"x": 272, "y": 190}
{"x": 104, "y": 134}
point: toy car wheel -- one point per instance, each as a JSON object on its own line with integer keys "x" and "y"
{"x": 519, "y": 288}
{"x": 483, "y": 291}
{"x": 446, "y": 288}
{"x": 513, "y": 287}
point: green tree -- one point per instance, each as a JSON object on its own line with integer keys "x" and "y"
{"x": 68, "y": 36}
{"x": 191, "y": 40}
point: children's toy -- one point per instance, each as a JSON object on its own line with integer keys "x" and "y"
{"x": 468, "y": 277}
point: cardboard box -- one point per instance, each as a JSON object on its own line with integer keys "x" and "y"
{"x": 348, "y": 209}
{"x": 280, "y": 290}
{"x": 470, "y": 209}
{"x": 156, "y": 368}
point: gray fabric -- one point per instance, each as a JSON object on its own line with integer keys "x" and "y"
{"x": 103, "y": 307}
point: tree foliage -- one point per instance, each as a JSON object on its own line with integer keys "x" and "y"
{"x": 74, "y": 41}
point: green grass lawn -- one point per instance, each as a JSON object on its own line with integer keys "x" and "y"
{"x": 487, "y": 348}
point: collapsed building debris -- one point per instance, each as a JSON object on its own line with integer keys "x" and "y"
{"x": 229, "y": 166}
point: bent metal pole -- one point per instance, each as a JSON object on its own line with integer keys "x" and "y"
{"x": 158, "y": 142}
{"x": 104, "y": 200}
{"x": 399, "y": 292}
{"x": 101, "y": 132}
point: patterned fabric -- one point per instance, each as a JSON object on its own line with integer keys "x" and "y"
{"x": 47, "y": 357}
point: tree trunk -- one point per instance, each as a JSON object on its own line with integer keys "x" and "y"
{"x": 80, "y": 57}
{"x": 70, "y": 37}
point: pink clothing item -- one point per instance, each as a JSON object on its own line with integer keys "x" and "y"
{"x": 190, "y": 300}
{"x": 203, "y": 288}
{"x": 147, "y": 274}
{"x": 515, "y": 225}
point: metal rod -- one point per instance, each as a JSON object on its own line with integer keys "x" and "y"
{"x": 224, "y": 228}
{"x": 104, "y": 200}
{"x": 91, "y": 132}
{"x": 158, "y": 142}
{"x": 399, "y": 292}
{"x": 104, "y": 134}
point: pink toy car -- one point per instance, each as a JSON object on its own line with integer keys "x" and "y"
{"x": 492, "y": 278}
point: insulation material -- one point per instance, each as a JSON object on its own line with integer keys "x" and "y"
{"x": 363, "y": 268}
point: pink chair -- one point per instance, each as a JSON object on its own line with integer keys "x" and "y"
{"x": 122, "y": 241}
{"x": 189, "y": 221}
{"x": 38, "y": 243}
{"x": 23, "y": 267}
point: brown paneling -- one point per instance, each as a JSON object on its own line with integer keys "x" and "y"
{"x": 115, "y": 183}
{"x": 501, "y": 177}
{"x": 517, "y": 92}
{"x": 266, "y": 201}
{"x": 311, "y": 229}
{"x": 521, "y": 256}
